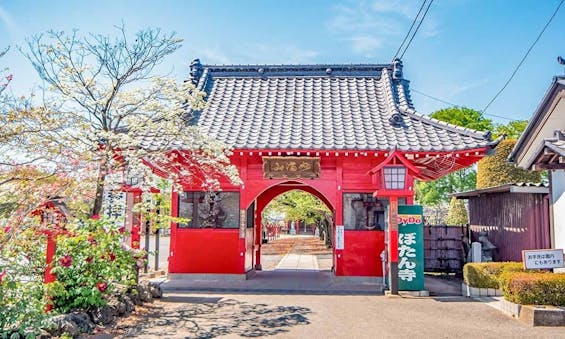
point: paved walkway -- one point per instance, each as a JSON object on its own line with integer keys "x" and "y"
{"x": 297, "y": 265}
{"x": 320, "y": 316}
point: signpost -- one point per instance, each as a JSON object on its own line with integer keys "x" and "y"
{"x": 410, "y": 248}
{"x": 542, "y": 259}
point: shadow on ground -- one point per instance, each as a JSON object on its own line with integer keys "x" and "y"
{"x": 197, "y": 317}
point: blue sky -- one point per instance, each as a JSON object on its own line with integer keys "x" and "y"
{"x": 463, "y": 53}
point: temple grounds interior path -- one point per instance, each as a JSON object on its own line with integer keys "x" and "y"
{"x": 296, "y": 252}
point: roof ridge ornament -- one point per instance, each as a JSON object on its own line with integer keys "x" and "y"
{"x": 196, "y": 71}
{"x": 397, "y": 69}
{"x": 396, "y": 120}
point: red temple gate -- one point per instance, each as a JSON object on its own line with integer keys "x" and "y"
{"x": 323, "y": 129}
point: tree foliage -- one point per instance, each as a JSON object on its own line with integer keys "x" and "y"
{"x": 457, "y": 213}
{"x": 436, "y": 192}
{"x": 298, "y": 205}
{"x": 495, "y": 170}
{"x": 464, "y": 117}
{"x": 512, "y": 130}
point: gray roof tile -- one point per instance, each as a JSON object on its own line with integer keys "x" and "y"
{"x": 302, "y": 107}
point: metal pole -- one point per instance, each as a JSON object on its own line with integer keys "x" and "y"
{"x": 393, "y": 244}
{"x": 157, "y": 249}
{"x": 147, "y": 231}
{"x": 157, "y": 232}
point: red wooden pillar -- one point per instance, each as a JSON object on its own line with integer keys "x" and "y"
{"x": 258, "y": 239}
{"x": 393, "y": 244}
{"x": 49, "y": 255}
{"x": 136, "y": 224}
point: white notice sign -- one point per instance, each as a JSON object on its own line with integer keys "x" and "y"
{"x": 539, "y": 259}
{"x": 339, "y": 237}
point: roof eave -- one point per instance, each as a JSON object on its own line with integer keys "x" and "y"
{"x": 540, "y": 112}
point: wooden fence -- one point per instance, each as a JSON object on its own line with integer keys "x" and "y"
{"x": 443, "y": 248}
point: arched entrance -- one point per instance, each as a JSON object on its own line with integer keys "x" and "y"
{"x": 263, "y": 200}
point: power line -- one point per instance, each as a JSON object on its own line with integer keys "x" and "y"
{"x": 417, "y": 28}
{"x": 455, "y": 105}
{"x": 524, "y": 57}
{"x": 410, "y": 30}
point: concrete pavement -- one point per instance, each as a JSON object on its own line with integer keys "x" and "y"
{"x": 322, "y": 316}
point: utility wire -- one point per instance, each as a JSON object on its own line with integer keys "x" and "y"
{"x": 410, "y": 30}
{"x": 455, "y": 105}
{"x": 418, "y": 27}
{"x": 524, "y": 57}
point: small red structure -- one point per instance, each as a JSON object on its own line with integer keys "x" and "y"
{"x": 323, "y": 129}
{"x": 53, "y": 215}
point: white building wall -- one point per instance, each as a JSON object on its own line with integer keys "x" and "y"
{"x": 558, "y": 201}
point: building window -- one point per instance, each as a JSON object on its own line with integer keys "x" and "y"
{"x": 361, "y": 211}
{"x": 209, "y": 209}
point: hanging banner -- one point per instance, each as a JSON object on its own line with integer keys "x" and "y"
{"x": 410, "y": 248}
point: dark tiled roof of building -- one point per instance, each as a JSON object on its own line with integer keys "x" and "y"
{"x": 519, "y": 187}
{"x": 320, "y": 107}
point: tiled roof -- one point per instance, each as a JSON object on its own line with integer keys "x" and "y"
{"x": 519, "y": 187}
{"x": 557, "y": 143}
{"x": 325, "y": 107}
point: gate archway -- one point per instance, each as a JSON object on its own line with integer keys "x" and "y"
{"x": 265, "y": 197}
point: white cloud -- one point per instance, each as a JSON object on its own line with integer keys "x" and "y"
{"x": 256, "y": 53}
{"x": 7, "y": 21}
{"x": 279, "y": 53}
{"x": 214, "y": 55}
{"x": 365, "y": 45}
{"x": 406, "y": 8}
{"x": 371, "y": 27}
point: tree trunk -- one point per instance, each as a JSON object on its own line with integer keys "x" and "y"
{"x": 97, "y": 206}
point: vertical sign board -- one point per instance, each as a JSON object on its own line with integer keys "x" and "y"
{"x": 410, "y": 248}
{"x": 339, "y": 237}
{"x": 114, "y": 206}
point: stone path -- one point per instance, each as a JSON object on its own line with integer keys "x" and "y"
{"x": 296, "y": 252}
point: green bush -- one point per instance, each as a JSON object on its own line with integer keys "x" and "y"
{"x": 486, "y": 275}
{"x": 530, "y": 288}
{"x": 22, "y": 262}
{"x": 89, "y": 264}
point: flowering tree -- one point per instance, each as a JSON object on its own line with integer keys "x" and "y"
{"x": 117, "y": 111}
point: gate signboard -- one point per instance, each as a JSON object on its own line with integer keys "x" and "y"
{"x": 410, "y": 248}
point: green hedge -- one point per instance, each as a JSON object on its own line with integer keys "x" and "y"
{"x": 533, "y": 288}
{"x": 485, "y": 275}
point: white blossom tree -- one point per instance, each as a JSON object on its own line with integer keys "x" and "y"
{"x": 114, "y": 110}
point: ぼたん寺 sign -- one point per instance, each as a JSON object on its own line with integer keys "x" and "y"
{"x": 410, "y": 248}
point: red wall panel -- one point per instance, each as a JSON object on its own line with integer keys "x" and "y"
{"x": 206, "y": 251}
{"x": 361, "y": 254}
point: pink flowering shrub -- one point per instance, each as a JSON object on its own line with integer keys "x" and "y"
{"x": 89, "y": 264}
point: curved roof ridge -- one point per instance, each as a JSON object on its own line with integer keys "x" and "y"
{"x": 445, "y": 125}
{"x": 387, "y": 86}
